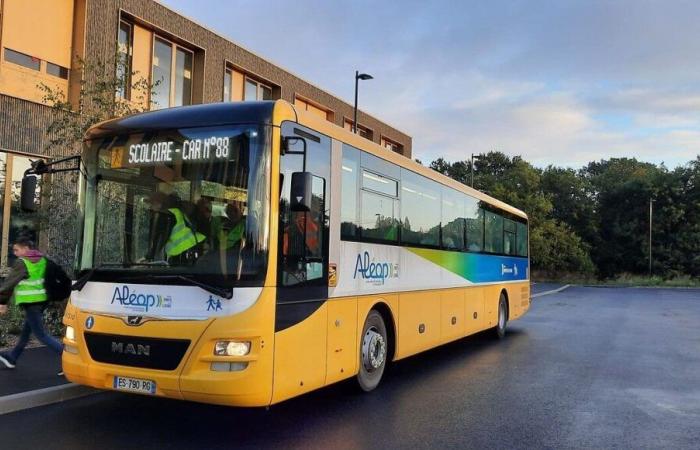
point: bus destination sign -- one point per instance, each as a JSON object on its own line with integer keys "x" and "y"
{"x": 194, "y": 150}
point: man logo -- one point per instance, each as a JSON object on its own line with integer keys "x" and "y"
{"x": 134, "y": 321}
{"x": 89, "y": 322}
{"x": 131, "y": 349}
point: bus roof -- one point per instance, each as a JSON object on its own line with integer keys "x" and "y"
{"x": 377, "y": 150}
{"x": 213, "y": 114}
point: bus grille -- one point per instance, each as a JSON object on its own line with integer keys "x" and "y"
{"x": 136, "y": 351}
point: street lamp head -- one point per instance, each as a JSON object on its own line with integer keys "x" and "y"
{"x": 364, "y": 76}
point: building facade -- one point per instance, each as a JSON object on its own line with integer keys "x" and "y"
{"x": 41, "y": 42}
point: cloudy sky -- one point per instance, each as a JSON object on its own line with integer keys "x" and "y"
{"x": 558, "y": 82}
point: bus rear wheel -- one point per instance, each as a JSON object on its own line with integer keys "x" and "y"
{"x": 500, "y": 329}
{"x": 373, "y": 352}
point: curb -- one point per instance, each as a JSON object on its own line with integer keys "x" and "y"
{"x": 631, "y": 286}
{"x": 42, "y": 397}
{"x": 553, "y": 291}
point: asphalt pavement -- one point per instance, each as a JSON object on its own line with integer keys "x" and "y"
{"x": 37, "y": 368}
{"x": 586, "y": 368}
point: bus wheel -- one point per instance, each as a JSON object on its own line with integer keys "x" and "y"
{"x": 502, "y": 316}
{"x": 373, "y": 352}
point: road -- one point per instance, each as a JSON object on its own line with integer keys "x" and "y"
{"x": 586, "y": 368}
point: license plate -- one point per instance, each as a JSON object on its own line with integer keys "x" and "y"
{"x": 135, "y": 385}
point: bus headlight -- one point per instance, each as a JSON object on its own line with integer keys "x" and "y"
{"x": 232, "y": 348}
{"x": 70, "y": 333}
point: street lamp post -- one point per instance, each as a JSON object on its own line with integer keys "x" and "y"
{"x": 651, "y": 203}
{"x": 358, "y": 76}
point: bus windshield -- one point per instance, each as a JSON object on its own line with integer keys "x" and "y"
{"x": 183, "y": 204}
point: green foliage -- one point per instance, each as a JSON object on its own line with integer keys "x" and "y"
{"x": 11, "y": 323}
{"x": 555, "y": 249}
{"x": 98, "y": 100}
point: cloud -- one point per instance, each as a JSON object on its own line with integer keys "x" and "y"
{"x": 556, "y": 82}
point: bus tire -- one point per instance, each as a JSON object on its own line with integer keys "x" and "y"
{"x": 373, "y": 351}
{"x": 500, "y": 329}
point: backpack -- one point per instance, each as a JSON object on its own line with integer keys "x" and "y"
{"x": 56, "y": 282}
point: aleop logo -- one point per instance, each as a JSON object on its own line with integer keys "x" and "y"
{"x": 374, "y": 271}
{"x": 139, "y": 302}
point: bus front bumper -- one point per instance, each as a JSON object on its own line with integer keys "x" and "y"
{"x": 199, "y": 375}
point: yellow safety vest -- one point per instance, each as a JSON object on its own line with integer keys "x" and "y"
{"x": 31, "y": 289}
{"x": 182, "y": 238}
{"x": 235, "y": 235}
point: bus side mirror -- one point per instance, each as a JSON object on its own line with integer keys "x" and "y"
{"x": 28, "y": 193}
{"x": 301, "y": 191}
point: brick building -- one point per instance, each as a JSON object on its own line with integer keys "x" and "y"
{"x": 41, "y": 40}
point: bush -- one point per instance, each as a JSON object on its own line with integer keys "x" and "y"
{"x": 555, "y": 249}
{"x": 11, "y": 323}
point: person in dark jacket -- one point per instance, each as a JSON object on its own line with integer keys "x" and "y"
{"x": 25, "y": 284}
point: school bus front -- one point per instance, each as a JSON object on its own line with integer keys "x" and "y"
{"x": 174, "y": 294}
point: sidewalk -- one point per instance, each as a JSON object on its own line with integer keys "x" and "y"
{"x": 34, "y": 382}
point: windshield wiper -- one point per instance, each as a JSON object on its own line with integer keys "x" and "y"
{"x": 213, "y": 289}
{"x": 80, "y": 282}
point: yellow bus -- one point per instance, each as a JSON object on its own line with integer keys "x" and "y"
{"x": 246, "y": 253}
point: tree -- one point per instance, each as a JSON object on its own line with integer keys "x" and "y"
{"x": 573, "y": 202}
{"x": 100, "y": 98}
{"x": 622, "y": 188}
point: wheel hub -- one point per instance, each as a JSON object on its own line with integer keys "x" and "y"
{"x": 373, "y": 350}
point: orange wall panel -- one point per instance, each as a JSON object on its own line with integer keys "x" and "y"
{"x": 141, "y": 62}
{"x": 237, "y": 87}
{"x": 24, "y": 18}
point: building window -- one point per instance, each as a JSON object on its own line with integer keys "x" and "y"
{"x": 228, "y": 79}
{"x": 183, "y": 77}
{"x": 56, "y": 70}
{"x": 30, "y": 62}
{"x": 256, "y": 91}
{"x": 391, "y": 145}
{"x": 361, "y": 130}
{"x": 172, "y": 75}
{"x": 162, "y": 63}
{"x": 124, "y": 55}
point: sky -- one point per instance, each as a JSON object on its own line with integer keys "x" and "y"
{"x": 557, "y": 82}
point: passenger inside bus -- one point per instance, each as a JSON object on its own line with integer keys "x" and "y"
{"x": 172, "y": 231}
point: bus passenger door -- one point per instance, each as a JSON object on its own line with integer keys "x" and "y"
{"x": 302, "y": 266}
